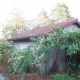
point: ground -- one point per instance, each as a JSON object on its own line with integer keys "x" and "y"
{"x": 29, "y": 76}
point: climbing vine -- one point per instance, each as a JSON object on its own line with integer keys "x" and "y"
{"x": 70, "y": 41}
{"x": 58, "y": 39}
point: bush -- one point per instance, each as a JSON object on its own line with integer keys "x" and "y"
{"x": 22, "y": 61}
{"x": 62, "y": 77}
{"x": 5, "y": 50}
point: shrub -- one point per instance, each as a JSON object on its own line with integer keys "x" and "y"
{"x": 5, "y": 50}
{"x": 62, "y": 77}
{"x": 22, "y": 61}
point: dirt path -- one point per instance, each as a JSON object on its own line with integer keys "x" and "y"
{"x": 1, "y": 77}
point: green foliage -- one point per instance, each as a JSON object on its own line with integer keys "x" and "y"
{"x": 51, "y": 41}
{"x": 62, "y": 77}
{"x": 60, "y": 13}
{"x": 22, "y": 61}
{"x": 45, "y": 44}
{"x": 4, "y": 47}
{"x": 63, "y": 40}
{"x": 73, "y": 52}
{"x": 73, "y": 40}
{"x": 26, "y": 60}
{"x": 15, "y": 25}
{"x": 5, "y": 50}
{"x": 44, "y": 19}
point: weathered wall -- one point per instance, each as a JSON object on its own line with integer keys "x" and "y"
{"x": 72, "y": 28}
{"x": 22, "y": 45}
{"x": 56, "y": 60}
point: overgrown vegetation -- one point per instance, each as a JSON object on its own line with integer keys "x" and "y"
{"x": 73, "y": 52}
{"x": 62, "y": 77}
{"x": 26, "y": 60}
{"x": 63, "y": 40}
{"x": 5, "y": 50}
{"x": 22, "y": 61}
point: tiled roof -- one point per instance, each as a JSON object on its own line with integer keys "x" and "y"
{"x": 40, "y": 31}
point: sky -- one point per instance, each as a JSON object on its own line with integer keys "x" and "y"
{"x": 31, "y": 8}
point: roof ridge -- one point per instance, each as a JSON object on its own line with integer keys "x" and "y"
{"x": 39, "y": 31}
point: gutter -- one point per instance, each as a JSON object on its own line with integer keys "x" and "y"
{"x": 23, "y": 38}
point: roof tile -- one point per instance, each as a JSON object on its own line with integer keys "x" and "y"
{"x": 40, "y": 31}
